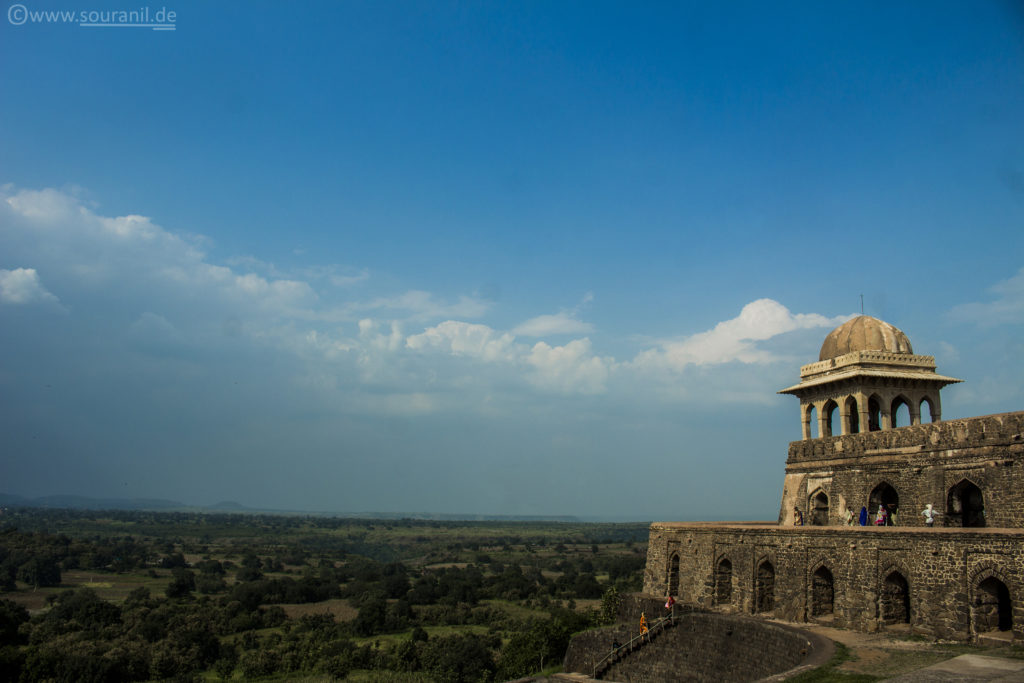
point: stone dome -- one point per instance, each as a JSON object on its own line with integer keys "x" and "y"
{"x": 864, "y": 333}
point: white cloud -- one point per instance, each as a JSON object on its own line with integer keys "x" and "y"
{"x": 735, "y": 339}
{"x": 23, "y": 286}
{"x": 464, "y": 339}
{"x": 559, "y": 323}
{"x": 1008, "y": 306}
{"x": 420, "y": 305}
{"x": 570, "y": 368}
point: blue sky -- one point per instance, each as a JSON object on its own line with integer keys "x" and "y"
{"x": 494, "y": 258}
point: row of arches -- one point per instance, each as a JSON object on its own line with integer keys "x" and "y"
{"x": 857, "y": 413}
{"x": 965, "y": 505}
{"x": 992, "y": 606}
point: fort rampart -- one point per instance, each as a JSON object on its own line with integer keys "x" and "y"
{"x": 866, "y": 578}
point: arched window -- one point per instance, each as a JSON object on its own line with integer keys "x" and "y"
{"x": 764, "y": 588}
{"x": 819, "y": 509}
{"x": 723, "y": 582}
{"x": 829, "y": 411}
{"x": 822, "y": 592}
{"x": 874, "y": 414}
{"x": 673, "y": 575}
{"x": 929, "y": 414}
{"x": 900, "y": 412}
{"x": 812, "y": 421}
{"x": 965, "y": 505}
{"x": 894, "y": 601}
{"x": 993, "y": 609}
{"x": 853, "y": 419}
{"x": 883, "y": 495}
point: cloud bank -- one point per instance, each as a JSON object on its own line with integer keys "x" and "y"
{"x": 416, "y": 346}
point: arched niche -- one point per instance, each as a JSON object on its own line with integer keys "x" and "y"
{"x": 894, "y": 599}
{"x": 993, "y": 608}
{"x": 965, "y": 505}
{"x": 764, "y": 587}
{"x": 723, "y": 582}
{"x": 819, "y": 508}
{"x": 673, "y": 575}
{"x": 822, "y": 592}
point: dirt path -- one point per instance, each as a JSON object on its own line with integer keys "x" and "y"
{"x": 888, "y": 654}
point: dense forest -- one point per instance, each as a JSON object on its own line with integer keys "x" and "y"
{"x": 135, "y": 596}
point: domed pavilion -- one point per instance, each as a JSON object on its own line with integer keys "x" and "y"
{"x": 866, "y": 371}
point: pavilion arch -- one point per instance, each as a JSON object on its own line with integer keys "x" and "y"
{"x": 723, "y": 582}
{"x": 894, "y": 597}
{"x": 811, "y": 421}
{"x": 829, "y": 413}
{"x": 933, "y": 412}
{"x": 819, "y": 508}
{"x": 965, "y": 505}
{"x": 883, "y": 494}
{"x": 852, "y": 423}
{"x": 875, "y": 422}
{"x": 894, "y": 411}
{"x": 764, "y": 587}
{"x": 991, "y": 602}
{"x": 823, "y": 591}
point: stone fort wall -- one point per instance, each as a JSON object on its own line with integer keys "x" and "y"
{"x": 921, "y": 462}
{"x": 701, "y": 647}
{"x": 865, "y": 578}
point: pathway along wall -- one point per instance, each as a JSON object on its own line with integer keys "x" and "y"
{"x": 702, "y": 647}
{"x": 950, "y": 583}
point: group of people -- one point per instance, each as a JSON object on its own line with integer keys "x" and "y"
{"x": 886, "y": 516}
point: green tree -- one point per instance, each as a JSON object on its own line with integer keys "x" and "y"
{"x": 610, "y": 602}
{"x": 183, "y": 582}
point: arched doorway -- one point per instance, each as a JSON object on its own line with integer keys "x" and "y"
{"x": 723, "y": 582}
{"x": 813, "y": 428}
{"x": 965, "y": 505}
{"x": 894, "y": 601}
{"x": 883, "y": 494}
{"x": 764, "y": 588}
{"x": 822, "y": 592}
{"x": 993, "y": 609}
{"x": 673, "y": 575}
{"x": 819, "y": 509}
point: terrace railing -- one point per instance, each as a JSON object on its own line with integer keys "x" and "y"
{"x": 635, "y": 643}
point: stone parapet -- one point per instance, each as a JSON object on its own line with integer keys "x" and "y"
{"x": 949, "y": 436}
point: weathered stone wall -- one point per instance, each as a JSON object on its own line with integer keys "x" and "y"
{"x": 942, "y": 569}
{"x": 701, "y": 647}
{"x": 922, "y": 462}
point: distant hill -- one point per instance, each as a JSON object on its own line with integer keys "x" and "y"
{"x": 86, "y": 503}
